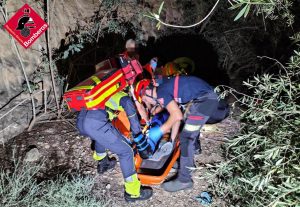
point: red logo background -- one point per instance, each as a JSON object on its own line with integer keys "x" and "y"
{"x": 36, "y": 29}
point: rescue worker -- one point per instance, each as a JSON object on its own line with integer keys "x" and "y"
{"x": 120, "y": 108}
{"x": 150, "y": 68}
{"x": 130, "y": 52}
{"x": 170, "y": 69}
{"x": 179, "y": 66}
{"x": 200, "y": 102}
{"x": 96, "y": 124}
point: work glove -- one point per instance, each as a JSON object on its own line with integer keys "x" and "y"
{"x": 155, "y": 133}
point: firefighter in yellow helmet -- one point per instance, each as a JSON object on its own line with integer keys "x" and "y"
{"x": 179, "y": 66}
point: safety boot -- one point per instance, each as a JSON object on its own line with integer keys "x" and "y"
{"x": 176, "y": 185}
{"x": 134, "y": 191}
{"x": 106, "y": 164}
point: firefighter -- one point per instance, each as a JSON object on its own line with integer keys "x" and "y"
{"x": 200, "y": 102}
{"x": 170, "y": 69}
{"x": 120, "y": 108}
{"x": 150, "y": 68}
{"x": 179, "y": 66}
{"x": 96, "y": 124}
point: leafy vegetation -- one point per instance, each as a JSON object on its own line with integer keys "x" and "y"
{"x": 20, "y": 188}
{"x": 263, "y": 166}
{"x": 272, "y": 9}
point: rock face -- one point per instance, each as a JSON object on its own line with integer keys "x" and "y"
{"x": 65, "y": 16}
{"x": 232, "y": 41}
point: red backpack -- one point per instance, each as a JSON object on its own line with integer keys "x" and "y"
{"x": 93, "y": 92}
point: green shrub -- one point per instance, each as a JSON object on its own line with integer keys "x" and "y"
{"x": 20, "y": 188}
{"x": 263, "y": 160}
{"x": 271, "y": 9}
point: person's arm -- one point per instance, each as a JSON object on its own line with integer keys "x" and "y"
{"x": 174, "y": 119}
{"x": 140, "y": 108}
{"x": 142, "y": 111}
{"x": 156, "y": 109}
{"x": 130, "y": 111}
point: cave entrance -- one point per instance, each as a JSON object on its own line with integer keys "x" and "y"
{"x": 170, "y": 47}
{"x": 167, "y": 48}
{"x": 82, "y": 65}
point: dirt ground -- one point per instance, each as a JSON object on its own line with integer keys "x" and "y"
{"x": 65, "y": 151}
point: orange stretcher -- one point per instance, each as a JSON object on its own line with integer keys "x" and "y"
{"x": 149, "y": 172}
{"x": 150, "y": 176}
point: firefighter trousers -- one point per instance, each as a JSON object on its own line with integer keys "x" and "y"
{"x": 95, "y": 124}
{"x": 197, "y": 112}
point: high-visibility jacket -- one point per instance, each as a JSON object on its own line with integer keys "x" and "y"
{"x": 113, "y": 105}
{"x": 126, "y": 120}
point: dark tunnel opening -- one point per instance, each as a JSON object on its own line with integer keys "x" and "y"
{"x": 195, "y": 47}
{"x": 82, "y": 65}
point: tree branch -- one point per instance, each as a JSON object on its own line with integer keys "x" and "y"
{"x": 188, "y": 26}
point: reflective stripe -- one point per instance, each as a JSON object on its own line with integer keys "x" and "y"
{"x": 99, "y": 156}
{"x": 104, "y": 87}
{"x": 141, "y": 145}
{"x": 129, "y": 116}
{"x": 96, "y": 79}
{"x": 176, "y": 82}
{"x": 133, "y": 186}
{"x": 191, "y": 128}
{"x": 113, "y": 103}
{"x": 196, "y": 117}
{"x": 101, "y": 98}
